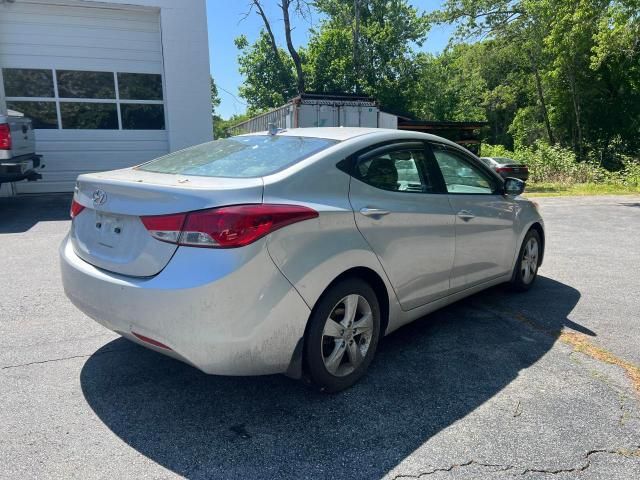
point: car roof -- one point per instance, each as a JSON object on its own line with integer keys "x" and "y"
{"x": 347, "y": 133}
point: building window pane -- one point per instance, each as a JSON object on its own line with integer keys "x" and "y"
{"x": 42, "y": 114}
{"x": 89, "y": 115}
{"x": 140, "y": 86}
{"x": 26, "y": 82}
{"x": 74, "y": 84}
{"x": 142, "y": 117}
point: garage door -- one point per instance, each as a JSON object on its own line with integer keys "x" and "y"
{"x": 91, "y": 78}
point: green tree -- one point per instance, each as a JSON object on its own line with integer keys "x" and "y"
{"x": 366, "y": 46}
{"x": 215, "y": 98}
{"x": 508, "y": 22}
{"x": 572, "y": 69}
{"x": 269, "y": 80}
{"x": 221, "y": 126}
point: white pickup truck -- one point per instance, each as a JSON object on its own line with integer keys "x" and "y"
{"x": 18, "y": 159}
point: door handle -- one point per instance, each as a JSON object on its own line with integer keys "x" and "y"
{"x": 373, "y": 212}
{"x": 465, "y": 215}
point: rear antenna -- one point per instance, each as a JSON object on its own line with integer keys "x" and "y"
{"x": 273, "y": 129}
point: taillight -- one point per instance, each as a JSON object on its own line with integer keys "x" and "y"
{"x": 5, "y": 137}
{"x": 165, "y": 227}
{"x": 511, "y": 169}
{"x": 151, "y": 341}
{"x": 76, "y": 208}
{"x": 225, "y": 227}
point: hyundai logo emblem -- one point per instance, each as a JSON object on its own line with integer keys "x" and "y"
{"x": 99, "y": 197}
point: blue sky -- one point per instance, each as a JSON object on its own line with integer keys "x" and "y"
{"x": 225, "y": 21}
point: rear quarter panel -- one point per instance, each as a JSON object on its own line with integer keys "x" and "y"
{"x": 312, "y": 253}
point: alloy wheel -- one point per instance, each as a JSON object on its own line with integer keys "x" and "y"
{"x": 529, "y": 263}
{"x": 347, "y": 334}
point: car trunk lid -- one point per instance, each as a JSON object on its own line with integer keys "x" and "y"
{"x": 109, "y": 233}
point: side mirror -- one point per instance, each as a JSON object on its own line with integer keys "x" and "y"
{"x": 513, "y": 186}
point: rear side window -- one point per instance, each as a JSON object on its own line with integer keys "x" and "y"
{"x": 239, "y": 157}
{"x": 401, "y": 170}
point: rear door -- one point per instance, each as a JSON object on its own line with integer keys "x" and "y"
{"x": 406, "y": 221}
{"x": 484, "y": 218}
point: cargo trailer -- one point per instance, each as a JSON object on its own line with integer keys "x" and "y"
{"x": 320, "y": 110}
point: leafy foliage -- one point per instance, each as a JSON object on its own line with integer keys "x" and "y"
{"x": 557, "y": 81}
{"x": 574, "y": 65}
{"x": 269, "y": 81}
{"x": 558, "y": 165}
{"x": 215, "y": 98}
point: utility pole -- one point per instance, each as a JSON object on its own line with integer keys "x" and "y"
{"x": 356, "y": 43}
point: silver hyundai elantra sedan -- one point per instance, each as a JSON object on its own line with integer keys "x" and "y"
{"x": 296, "y": 251}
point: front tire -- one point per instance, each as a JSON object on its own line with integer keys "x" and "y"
{"x": 343, "y": 334}
{"x": 526, "y": 268}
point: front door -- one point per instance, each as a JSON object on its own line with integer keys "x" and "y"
{"x": 407, "y": 223}
{"x": 484, "y": 217}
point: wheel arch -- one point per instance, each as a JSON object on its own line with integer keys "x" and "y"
{"x": 538, "y": 228}
{"x": 375, "y": 281}
{"x": 296, "y": 366}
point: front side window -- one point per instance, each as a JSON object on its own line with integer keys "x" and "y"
{"x": 399, "y": 170}
{"x": 460, "y": 175}
{"x": 239, "y": 157}
{"x": 79, "y": 99}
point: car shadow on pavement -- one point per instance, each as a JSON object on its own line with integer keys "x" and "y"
{"x": 21, "y": 213}
{"x": 426, "y": 376}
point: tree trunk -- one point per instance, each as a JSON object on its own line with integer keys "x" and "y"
{"x": 292, "y": 51}
{"x": 543, "y": 104}
{"x": 356, "y": 44}
{"x": 267, "y": 26}
{"x": 576, "y": 111}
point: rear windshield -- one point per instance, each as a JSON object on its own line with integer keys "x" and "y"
{"x": 239, "y": 157}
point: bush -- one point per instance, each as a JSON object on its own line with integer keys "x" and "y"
{"x": 554, "y": 164}
{"x": 630, "y": 173}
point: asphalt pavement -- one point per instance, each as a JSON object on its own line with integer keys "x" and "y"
{"x": 500, "y": 385}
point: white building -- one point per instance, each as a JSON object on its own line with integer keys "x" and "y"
{"x": 108, "y": 84}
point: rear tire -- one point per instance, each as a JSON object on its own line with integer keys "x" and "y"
{"x": 526, "y": 268}
{"x": 342, "y": 336}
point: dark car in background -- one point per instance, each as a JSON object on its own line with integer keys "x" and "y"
{"x": 507, "y": 167}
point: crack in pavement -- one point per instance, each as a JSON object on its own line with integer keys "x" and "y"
{"x": 525, "y": 470}
{"x": 625, "y": 411}
{"x": 51, "y": 360}
{"x": 622, "y": 452}
{"x": 499, "y": 468}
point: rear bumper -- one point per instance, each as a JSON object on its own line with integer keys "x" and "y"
{"x": 226, "y": 312}
{"x": 524, "y": 176}
{"x": 20, "y": 168}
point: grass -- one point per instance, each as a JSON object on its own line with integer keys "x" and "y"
{"x": 577, "y": 189}
{"x": 582, "y": 343}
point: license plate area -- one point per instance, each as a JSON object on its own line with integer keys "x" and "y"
{"x": 110, "y": 229}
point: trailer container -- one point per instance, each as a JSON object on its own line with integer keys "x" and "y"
{"x": 316, "y": 110}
